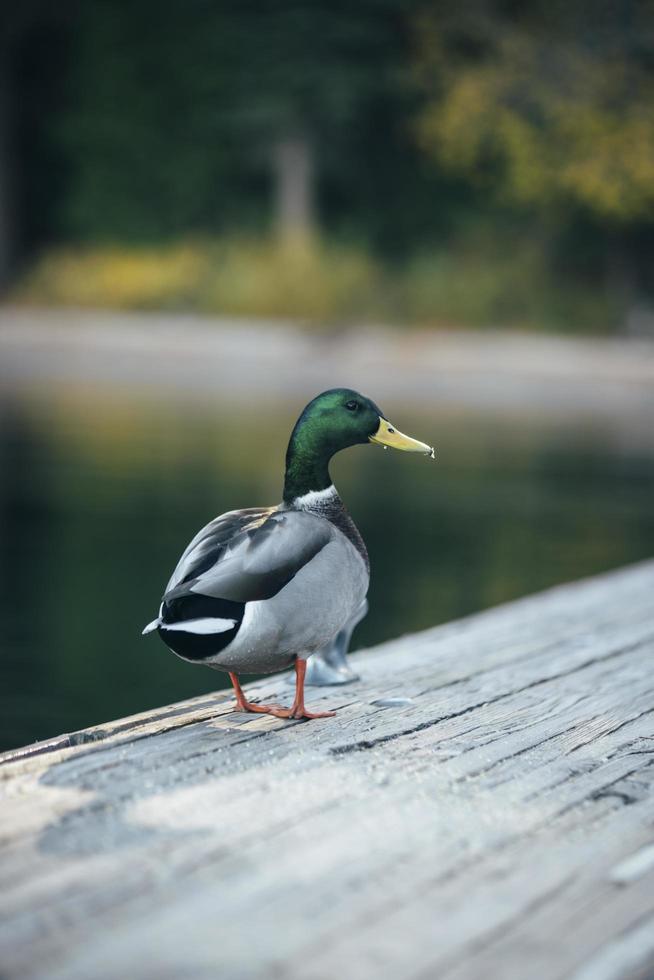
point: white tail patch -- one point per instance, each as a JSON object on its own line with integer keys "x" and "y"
{"x": 200, "y": 626}
{"x": 151, "y": 627}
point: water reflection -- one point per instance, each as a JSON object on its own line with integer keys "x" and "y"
{"x": 100, "y": 493}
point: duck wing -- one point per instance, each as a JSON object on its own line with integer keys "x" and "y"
{"x": 212, "y": 540}
{"x": 245, "y": 556}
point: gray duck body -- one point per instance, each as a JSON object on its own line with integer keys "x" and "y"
{"x": 257, "y": 589}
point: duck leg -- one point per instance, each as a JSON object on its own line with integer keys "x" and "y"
{"x": 298, "y": 709}
{"x": 242, "y": 704}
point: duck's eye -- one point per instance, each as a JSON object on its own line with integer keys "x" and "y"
{"x": 351, "y": 406}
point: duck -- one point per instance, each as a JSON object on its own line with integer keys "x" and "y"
{"x": 262, "y": 589}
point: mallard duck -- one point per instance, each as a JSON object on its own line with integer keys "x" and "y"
{"x": 261, "y": 589}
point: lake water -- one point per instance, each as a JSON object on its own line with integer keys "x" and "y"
{"x": 100, "y": 492}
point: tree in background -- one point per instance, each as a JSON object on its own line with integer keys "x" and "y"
{"x": 546, "y": 102}
{"x": 549, "y": 107}
{"x": 34, "y": 42}
{"x": 182, "y": 117}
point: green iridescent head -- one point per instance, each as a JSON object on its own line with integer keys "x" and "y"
{"x": 335, "y": 420}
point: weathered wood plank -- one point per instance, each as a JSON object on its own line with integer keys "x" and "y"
{"x": 497, "y": 822}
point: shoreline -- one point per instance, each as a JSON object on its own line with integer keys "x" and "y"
{"x": 598, "y": 380}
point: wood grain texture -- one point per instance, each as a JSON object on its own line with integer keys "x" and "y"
{"x": 495, "y": 822}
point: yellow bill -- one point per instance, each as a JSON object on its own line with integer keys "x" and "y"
{"x": 388, "y": 435}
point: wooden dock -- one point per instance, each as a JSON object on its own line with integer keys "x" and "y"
{"x": 481, "y": 807}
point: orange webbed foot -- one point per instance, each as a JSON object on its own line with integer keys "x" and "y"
{"x": 258, "y": 709}
{"x": 296, "y": 712}
{"x": 301, "y": 713}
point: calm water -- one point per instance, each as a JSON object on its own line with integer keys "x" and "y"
{"x": 100, "y": 493}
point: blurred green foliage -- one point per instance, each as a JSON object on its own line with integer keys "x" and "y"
{"x": 171, "y": 110}
{"x": 510, "y": 144}
{"x": 545, "y": 101}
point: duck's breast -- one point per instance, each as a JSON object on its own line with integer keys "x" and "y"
{"x": 304, "y": 616}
